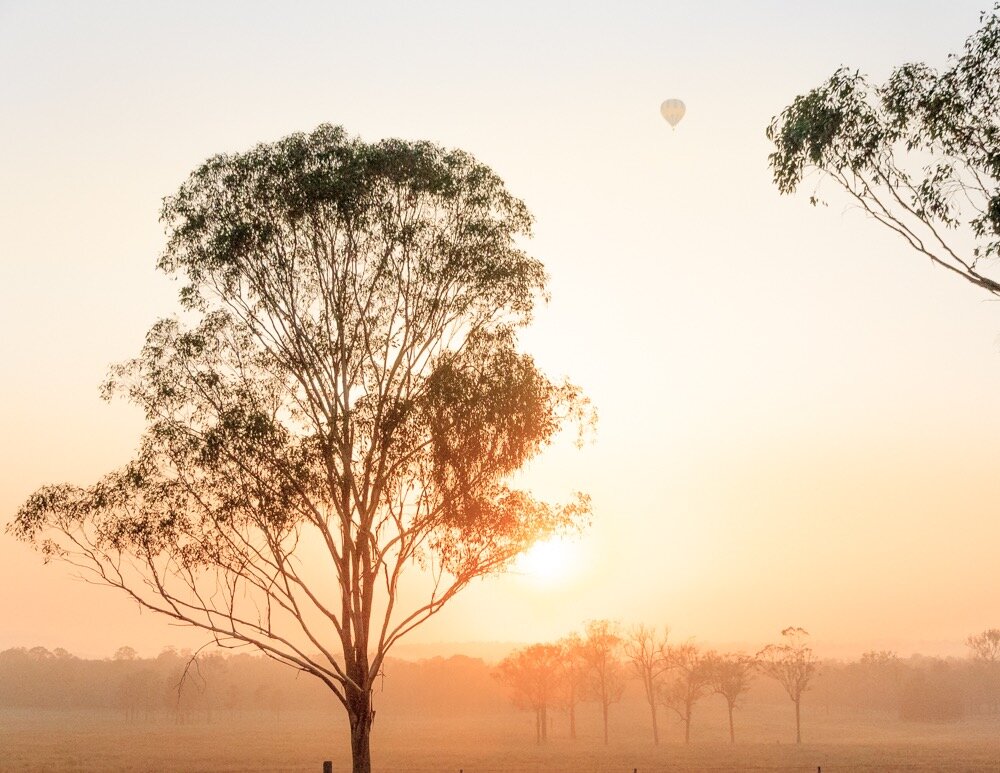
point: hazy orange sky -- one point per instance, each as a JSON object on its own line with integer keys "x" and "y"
{"x": 796, "y": 413}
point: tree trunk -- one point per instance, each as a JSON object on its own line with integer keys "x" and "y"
{"x": 572, "y": 720}
{"x": 687, "y": 727}
{"x": 360, "y": 715}
{"x": 538, "y": 725}
{"x": 732, "y": 735}
{"x": 798, "y": 723}
{"x": 656, "y": 729}
{"x": 361, "y": 757}
{"x": 604, "y": 707}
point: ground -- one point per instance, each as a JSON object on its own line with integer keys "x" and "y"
{"x": 296, "y": 741}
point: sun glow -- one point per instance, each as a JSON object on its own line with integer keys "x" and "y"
{"x": 549, "y": 562}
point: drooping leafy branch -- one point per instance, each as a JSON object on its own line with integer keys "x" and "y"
{"x": 919, "y": 153}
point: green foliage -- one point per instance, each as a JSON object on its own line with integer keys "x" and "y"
{"x": 920, "y": 153}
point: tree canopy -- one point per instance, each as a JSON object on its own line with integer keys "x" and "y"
{"x": 341, "y": 397}
{"x": 534, "y": 674}
{"x": 920, "y": 153}
{"x": 793, "y": 664}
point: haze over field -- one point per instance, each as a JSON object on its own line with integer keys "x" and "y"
{"x": 795, "y": 411}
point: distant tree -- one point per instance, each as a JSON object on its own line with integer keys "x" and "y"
{"x": 647, "y": 652}
{"x": 730, "y": 675}
{"x": 125, "y": 653}
{"x": 920, "y": 153}
{"x": 985, "y": 646}
{"x": 881, "y": 678}
{"x": 690, "y": 683}
{"x": 605, "y": 672}
{"x": 574, "y": 677}
{"x": 533, "y": 675}
{"x": 346, "y": 378}
{"x": 985, "y": 652}
{"x": 793, "y": 664}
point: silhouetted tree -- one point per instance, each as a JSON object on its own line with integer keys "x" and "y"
{"x": 918, "y": 153}
{"x": 985, "y": 651}
{"x": 346, "y": 378}
{"x": 793, "y": 664}
{"x": 647, "y": 652}
{"x": 985, "y": 646}
{"x": 730, "y": 675}
{"x": 690, "y": 683}
{"x": 605, "y": 672}
{"x": 533, "y": 675}
{"x": 881, "y": 676}
{"x": 574, "y": 677}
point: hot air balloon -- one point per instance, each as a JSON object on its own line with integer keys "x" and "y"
{"x": 672, "y": 110}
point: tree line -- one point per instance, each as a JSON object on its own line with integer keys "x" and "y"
{"x": 592, "y": 680}
{"x": 215, "y": 687}
{"x": 598, "y": 665}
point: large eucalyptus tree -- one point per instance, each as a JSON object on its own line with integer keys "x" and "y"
{"x": 340, "y": 398}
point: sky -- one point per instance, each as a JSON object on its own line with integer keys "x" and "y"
{"x": 796, "y": 420}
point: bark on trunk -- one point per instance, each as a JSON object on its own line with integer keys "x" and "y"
{"x": 361, "y": 758}
{"x": 360, "y": 717}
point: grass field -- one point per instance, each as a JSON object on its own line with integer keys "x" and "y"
{"x": 68, "y": 741}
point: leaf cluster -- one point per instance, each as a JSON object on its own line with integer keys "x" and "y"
{"x": 920, "y": 152}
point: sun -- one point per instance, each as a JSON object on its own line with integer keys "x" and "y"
{"x": 548, "y": 562}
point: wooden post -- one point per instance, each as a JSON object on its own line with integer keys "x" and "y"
{"x": 327, "y": 767}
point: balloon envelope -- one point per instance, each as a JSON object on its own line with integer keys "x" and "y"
{"x": 672, "y": 110}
